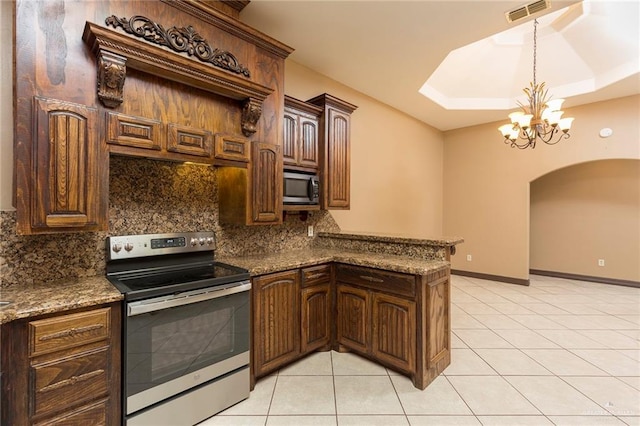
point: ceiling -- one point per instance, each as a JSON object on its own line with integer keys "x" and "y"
{"x": 389, "y": 49}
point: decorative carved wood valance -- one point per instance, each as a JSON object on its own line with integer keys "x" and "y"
{"x": 116, "y": 51}
{"x": 183, "y": 39}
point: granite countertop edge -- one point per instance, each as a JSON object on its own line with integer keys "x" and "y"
{"x": 278, "y": 262}
{"x": 32, "y": 300}
{"x": 439, "y": 242}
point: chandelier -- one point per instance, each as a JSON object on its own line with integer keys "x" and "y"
{"x": 540, "y": 118}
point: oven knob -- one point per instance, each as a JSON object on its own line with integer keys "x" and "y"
{"x": 209, "y": 241}
{"x": 193, "y": 242}
{"x": 128, "y": 246}
{"x": 117, "y": 247}
{"x": 201, "y": 240}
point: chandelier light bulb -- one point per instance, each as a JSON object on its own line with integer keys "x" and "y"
{"x": 565, "y": 124}
{"x": 554, "y": 104}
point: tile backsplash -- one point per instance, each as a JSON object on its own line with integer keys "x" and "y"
{"x": 146, "y": 196}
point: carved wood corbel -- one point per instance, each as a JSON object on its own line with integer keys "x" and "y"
{"x": 251, "y": 112}
{"x": 112, "y": 71}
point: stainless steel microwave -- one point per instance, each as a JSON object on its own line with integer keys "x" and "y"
{"x": 300, "y": 188}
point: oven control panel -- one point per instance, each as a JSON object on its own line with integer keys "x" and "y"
{"x": 132, "y": 246}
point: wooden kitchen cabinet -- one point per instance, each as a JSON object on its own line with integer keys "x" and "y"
{"x": 276, "y": 326}
{"x": 377, "y": 324}
{"x": 393, "y": 337}
{"x": 315, "y": 308}
{"x": 62, "y": 369}
{"x": 253, "y": 195}
{"x": 353, "y": 329}
{"x": 335, "y": 151}
{"x": 63, "y": 185}
{"x": 399, "y": 320}
{"x": 300, "y": 141}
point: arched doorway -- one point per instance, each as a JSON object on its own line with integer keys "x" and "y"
{"x": 585, "y": 221}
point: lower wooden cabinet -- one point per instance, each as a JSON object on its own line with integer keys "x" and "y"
{"x": 62, "y": 369}
{"x": 399, "y": 320}
{"x": 276, "y": 328}
{"x": 353, "y": 329}
{"x": 291, "y": 316}
{"x": 315, "y": 309}
{"x": 377, "y": 324}
{"x": 393, "y": 337}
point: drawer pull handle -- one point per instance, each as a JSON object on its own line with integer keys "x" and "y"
{"x": 371, "y": 279}
{"x": 72, "y": 332}
{"x": 71, "y": 381}
{"x": 317, "y": 275}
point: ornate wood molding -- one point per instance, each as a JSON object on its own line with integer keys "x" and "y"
{"x": 183, "y": 40}
{"x": 120, "y": 51}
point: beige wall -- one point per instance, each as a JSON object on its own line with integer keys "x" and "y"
{"x": 486, "y": 183}
{"x": 6, "y": 106}
{"x": 587, "y": 212}
{"x": 396, "y": 162}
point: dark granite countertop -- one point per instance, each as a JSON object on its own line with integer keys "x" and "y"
{"x": 46, "y": 298}
{"x": 276, "y": 262}
{"x": 396, "y": 239}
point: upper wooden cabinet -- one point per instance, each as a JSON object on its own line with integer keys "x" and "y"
{"x": 63, "y": 184}
{"x": 253, "y": 195}
{"x": 335, "y": 151}
{"x": 167, "y": 80}
{"x": 300, "y": 141}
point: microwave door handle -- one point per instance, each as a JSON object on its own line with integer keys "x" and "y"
{"x": 311, "y": 185}
{"x": 138, "y": 308}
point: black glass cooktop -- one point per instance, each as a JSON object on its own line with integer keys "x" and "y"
{"x": 144, "y": 284}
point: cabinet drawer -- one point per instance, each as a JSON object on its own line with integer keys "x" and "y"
{"x": 67, "y": 331}
{"x": 315, "y": 275}
{"x": 389, "y": 282}
{"x": 69, "y": 382}
{"x": 92, "y": 414}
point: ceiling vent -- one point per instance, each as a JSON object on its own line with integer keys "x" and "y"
{"x": 527, "y": 10}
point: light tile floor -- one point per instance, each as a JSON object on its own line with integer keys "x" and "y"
{"x": 560, "y": 352}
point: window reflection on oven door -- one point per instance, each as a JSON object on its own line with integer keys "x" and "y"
{"x": 179, "y": 342}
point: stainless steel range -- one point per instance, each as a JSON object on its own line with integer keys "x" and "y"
{"x": 186, "y": 321}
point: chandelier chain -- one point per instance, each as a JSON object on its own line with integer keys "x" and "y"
{"x": 535, "y": 48}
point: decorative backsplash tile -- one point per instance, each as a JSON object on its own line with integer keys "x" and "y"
{"x": 146, "y": 196}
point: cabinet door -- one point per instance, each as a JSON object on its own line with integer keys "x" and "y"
{"x": 70, "y": 169}
{"x": 394, "y": 331}
{"x": 276, "y": 329}
{"x": 353, "y": 327}
{"x": 267, "y": 183}
{"x": 338, "y": 160}
{"x": 289, "y": 141}
{"x": 316, "y": 313}
{"x": 308, "y": 142}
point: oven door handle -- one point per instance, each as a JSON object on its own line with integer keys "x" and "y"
{"x": 143, "y": 307}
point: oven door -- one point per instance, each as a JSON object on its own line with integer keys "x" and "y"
{"x": 176, "y": 342}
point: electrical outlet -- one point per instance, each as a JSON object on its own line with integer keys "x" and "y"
{"x": 469, "y": 258}
{"x": 600, "y": 262}
{"x": 310, "y": 231}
